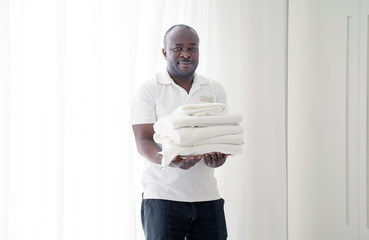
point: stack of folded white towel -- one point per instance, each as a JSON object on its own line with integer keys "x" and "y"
{"x": 196, "y": 129}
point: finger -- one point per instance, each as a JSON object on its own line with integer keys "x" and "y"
{"x": 215, "y": 155}
{"x": 176, "y": 162}
{"x": 225, "y": 155}
{"x": 211, "y": 156}
{"x": 220, "y": 160}
{"x": 193, "y": 159}
{"x": 215, "y": 159}
{"x": 190, "y": 162}
{"x": 208, "y": 159}
{"x": 186, "y": 164}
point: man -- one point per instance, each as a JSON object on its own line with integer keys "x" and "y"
{"x": 183, "y": 202}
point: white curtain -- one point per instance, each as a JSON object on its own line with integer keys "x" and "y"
{"x": 68, "y": 70}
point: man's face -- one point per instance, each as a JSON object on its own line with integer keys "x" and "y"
{"x": 182, "y": 52}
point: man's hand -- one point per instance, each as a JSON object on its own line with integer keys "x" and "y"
{"x": 215, "y": 159}
{"x": 186, "y": 162}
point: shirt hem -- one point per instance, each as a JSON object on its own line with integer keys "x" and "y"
{"x": 178, "y": 199}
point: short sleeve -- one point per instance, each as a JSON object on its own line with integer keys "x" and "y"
{"x": 143, "y": 105}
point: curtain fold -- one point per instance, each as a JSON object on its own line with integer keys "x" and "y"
{"x": 69, "y": 167}
{"x": 4, "y": 117}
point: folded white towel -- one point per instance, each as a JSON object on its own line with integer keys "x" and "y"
{"x": 204, "y": 109}
{"x": 196, "y": 129}
{"x": 180, "y": 121}
{"x": 235, "y": 139}
{"x": 170, "y": 152}
{"x": 189, "y": 136}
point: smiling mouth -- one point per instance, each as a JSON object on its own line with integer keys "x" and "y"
{"x": 185, "y": 62}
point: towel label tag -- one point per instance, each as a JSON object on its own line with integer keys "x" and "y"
{"x": 206, "y": 99}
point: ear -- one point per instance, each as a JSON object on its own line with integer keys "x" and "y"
{"x": 164, "y": 51}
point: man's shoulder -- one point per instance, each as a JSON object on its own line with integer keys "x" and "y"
{"x": 159, "y": 78}
{"x": 150, "y": 83}
{"x": 152, "y": 86}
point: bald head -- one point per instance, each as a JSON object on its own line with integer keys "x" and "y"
{"x": 181, "y": 51}
{"x": 175, "y": 27}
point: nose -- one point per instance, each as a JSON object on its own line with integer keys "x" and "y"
{"x": 185, "y": 54}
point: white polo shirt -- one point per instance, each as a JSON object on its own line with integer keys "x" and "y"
{"x": 160, "y": 97}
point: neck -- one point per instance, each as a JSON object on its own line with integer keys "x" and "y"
{"x": 185, "y": 83}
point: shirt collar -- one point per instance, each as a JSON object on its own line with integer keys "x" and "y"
{"x": 166, "y": 79}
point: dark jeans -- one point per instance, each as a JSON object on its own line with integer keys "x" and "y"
{"x": 171, "y": 220}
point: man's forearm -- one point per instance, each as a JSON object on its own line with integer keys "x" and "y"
{"x": 150, "y": 150}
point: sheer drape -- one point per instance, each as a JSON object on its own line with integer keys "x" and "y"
{"x": 68, "y": 69}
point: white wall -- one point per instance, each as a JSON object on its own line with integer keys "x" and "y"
{"x": 323, "y": 63}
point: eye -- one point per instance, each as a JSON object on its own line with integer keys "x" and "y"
{"x": 192, "y": 49}
{"x": 177, "y": 49}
